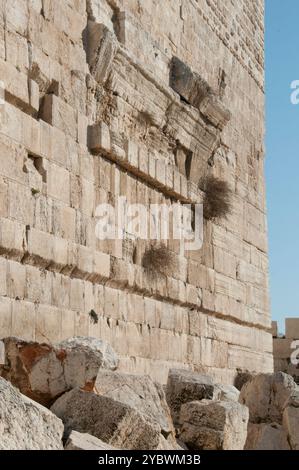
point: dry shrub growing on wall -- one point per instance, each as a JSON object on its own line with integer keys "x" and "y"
{"x": 217, "y": 201}
{"x": 159, "y": 259}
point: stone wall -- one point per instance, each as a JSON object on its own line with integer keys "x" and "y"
{"x": 286, "y": 348}
{"x": 90, "y": 114}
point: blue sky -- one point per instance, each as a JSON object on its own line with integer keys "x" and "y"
{"x": 282, "y": 156}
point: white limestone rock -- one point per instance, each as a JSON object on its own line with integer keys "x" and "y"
{"x": 184, "y": 386}
{"x": 26, "y": 425}
{"x": 214, "y": 425}
{"x": 139, "y": 392}
{"x": 266, "y": 395}
{"x": 43, "y": 372}
{"x": 228, "y": 393}
{"x": 113, "y": 422}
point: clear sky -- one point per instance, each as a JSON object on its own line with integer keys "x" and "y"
{"x": 282, "y": 156}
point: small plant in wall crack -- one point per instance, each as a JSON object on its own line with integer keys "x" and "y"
{"x": 217, "y": 202}
{"x": 159, "y": 259}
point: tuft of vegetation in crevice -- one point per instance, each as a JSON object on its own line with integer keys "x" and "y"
{"x": 158, "y": 259}
{"x": 217, "y": 202}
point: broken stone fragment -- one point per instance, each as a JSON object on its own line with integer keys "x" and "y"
{"x": 139, "y": 392}
{"x": 84, "y": 356}
{"x": 113, "y": 422}
{"x": 26, "y": 425}
{"x": 184, "y": 386}
{"x": 102, "y": 47}
{"x": 228, "y": 393}
{"x": 43, "y": 372}
{"x": 188, "y": 84}
{"x": 208, "y": 425}
{"x": 80, "y": 441}
{"x": 266, "y": 437}
{"x": 197, "y": 92}
{"x": 266, "y": 396}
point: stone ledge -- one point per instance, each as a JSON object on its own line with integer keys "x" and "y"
{"x": 139, "y": 162}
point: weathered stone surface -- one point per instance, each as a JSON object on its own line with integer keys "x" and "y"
{"x": 43, "y": 372}
{"x": 184, "y": 386}
{"x": 266, "y": 437}
{"x": 266, "y": 395}
{"x": 26, "y": 425}
{"x": 84, "y": 356}
{"x": 291, "y": 425}
{"x": 196, "y": 91}
{"x": 113, "y": 422}
{"x": 139, "y": 392}
{"x": 80, "y": 441}
{"x": 212, "y": 425}
{"x": 228, "y": 393}
{"x": 79, "y": 64}
{"x": 102, "y": 47}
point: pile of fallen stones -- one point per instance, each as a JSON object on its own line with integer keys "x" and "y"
{"x": 71, "y": 396}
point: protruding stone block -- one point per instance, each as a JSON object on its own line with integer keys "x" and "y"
{"x": 99, "y": 138}
{"x": 102, "y": 47}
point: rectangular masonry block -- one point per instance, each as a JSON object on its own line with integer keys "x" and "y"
{"x": 274, "y": 329}
{"x": 48, "y": 324}
{"x": 59, "y": 114}
{"x": 292, "y": 328}
{"x": 23, "y": 320}
{"x": 5, "y": 317}
{"x": 99, "y": 138}
{"x": 58, "y": 183}
{"x": 282, "y": 348}
{"x": 132, "y": 152}
{"x": 12, "y": 238}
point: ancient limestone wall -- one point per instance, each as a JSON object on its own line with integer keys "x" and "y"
{"x": 286, "y": 348}
{"x": 94, "y": 108}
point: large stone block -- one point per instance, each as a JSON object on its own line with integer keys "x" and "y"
{"x": 139, "y": 392}
{"x": 26, "y": 425}
{"x": 113, "y": 422}
{"x": 197, "y": 92}
{"x": 102, "y": 47}
{"x": 207, "y": 425}
{"x": 266, "y": 396}
{"x": 292, "y": 328}
{"x": 184, "y": 386}
{"x": 43, "y": 372}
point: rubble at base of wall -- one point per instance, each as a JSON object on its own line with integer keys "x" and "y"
{"x": 115, "y": 410}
